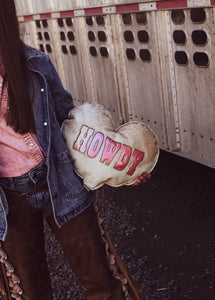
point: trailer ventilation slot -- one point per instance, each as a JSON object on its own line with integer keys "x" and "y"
{"x": 201, "y": 59}
{"x": 93, "y": 51}
{"x": 126, "y": 18}
{"x": 48, "y": 48}
{"x": 46, "y": 36}
{"x": 143, "y": 36}
{"x": 104, "y": 52}
{"x": 199, "y": 37}
{"x": 64, "y": 49}
{"x": 89, "y": 20}
{"x": 62, "y": 36}
{"x": 128, "y": 36}
{"x": 145, "y": 55}
{"x": 69, "y": 22}
{"x": 130, "y": 53}
{"x": 40, "y": 37}
{"x": 60, "y": 22}
{"x": 102, "y": 36}
{"x": 100, "y": 20}
{"x": 38, "y": 24}
{"x": 70, "y": 36}
{"x": 141, "y": 18}
{"x": 178, "y": 16}
{"x": 198, "y": 15}
{"x": 181, "y": 58}
{"x": 73, "y": 50}
{"x": 45, "y": 23}
{"x": 42, "y": 48}
{"x": 91, "y": 36}
{"x": 179, "y": 37}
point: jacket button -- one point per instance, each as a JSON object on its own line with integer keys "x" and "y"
{"x": 45, "y": 123}
{"x": 55, "y": 195}
{"x": 42, "y": 90}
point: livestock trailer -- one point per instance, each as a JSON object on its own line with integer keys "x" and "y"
{"x": 151, "y": 61}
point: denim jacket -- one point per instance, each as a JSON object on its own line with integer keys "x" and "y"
{"x": 51, "y": 106}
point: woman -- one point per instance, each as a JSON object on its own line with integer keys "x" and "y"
{"x": 37, "y": 179}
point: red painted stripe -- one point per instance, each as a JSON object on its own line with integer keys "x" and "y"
{"x": 66, "y": 14}
{"x": 127, "y": 8}
{"x": 28, "y": 18}
{"x": 212, "y": 2}
{"x": 45, "y": 16}
{"x": 93, "y": 11}
{"x": 171, "y": 4}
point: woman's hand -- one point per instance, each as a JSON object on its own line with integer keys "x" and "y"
{"x": 142, "y": 179}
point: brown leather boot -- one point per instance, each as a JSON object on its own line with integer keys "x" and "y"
{"x": 83, "y": 245}
{"x": 4, "y": 283}
{"x": 24, "y": 247}
{"x": 115, "y": 264}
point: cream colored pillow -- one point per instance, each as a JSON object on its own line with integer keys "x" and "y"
{"x": 103, "y": 155}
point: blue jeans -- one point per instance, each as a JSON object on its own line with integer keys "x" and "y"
{"x": 80, "y": 238}
{"x": 30, "y": 182}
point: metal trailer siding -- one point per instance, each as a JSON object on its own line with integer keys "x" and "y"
{"x": 194, "y": 83}
{"x": 151, "y": 61}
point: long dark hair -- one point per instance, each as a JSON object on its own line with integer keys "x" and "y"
{"x": 17, "y": 74}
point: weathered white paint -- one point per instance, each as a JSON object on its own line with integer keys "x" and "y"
{"x": 109, "y": 10}
{"x": 177, "y": 101}
{"x": 72, "y": 66}
{"x": 147, "y": 6}
{"x": 102, "y": 70}
{"x": 24, "y": 7}
{"x": 28, "y": 33}
{"x": 195, "y": 92}
{"x": 198, "y": 3}
{"x": 167, "y": 78}
{"x": 79, "y": 13}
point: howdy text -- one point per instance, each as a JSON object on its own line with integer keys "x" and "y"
{"x": 111, "y": 148}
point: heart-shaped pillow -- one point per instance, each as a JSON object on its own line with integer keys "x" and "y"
{"x": 103, "y": 155}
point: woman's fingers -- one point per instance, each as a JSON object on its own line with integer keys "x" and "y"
{"x": 143, "y": 178}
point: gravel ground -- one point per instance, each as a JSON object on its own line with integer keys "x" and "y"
{"x": 163, "y": 232}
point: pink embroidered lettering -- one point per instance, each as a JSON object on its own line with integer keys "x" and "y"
{"x": 124, "y": 158}
{"x": 137, "y": 158}
{"x": 81, "y": 143}
{"x": 110, "y": 150}
{"x": 95, "y": 144}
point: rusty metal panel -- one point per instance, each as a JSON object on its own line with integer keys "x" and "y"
{"x": 193, "y": 53}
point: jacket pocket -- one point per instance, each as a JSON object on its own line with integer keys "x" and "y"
{"x": 62, "y": 158}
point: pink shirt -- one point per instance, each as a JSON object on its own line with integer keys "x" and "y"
{"x": 18, "y": 153}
